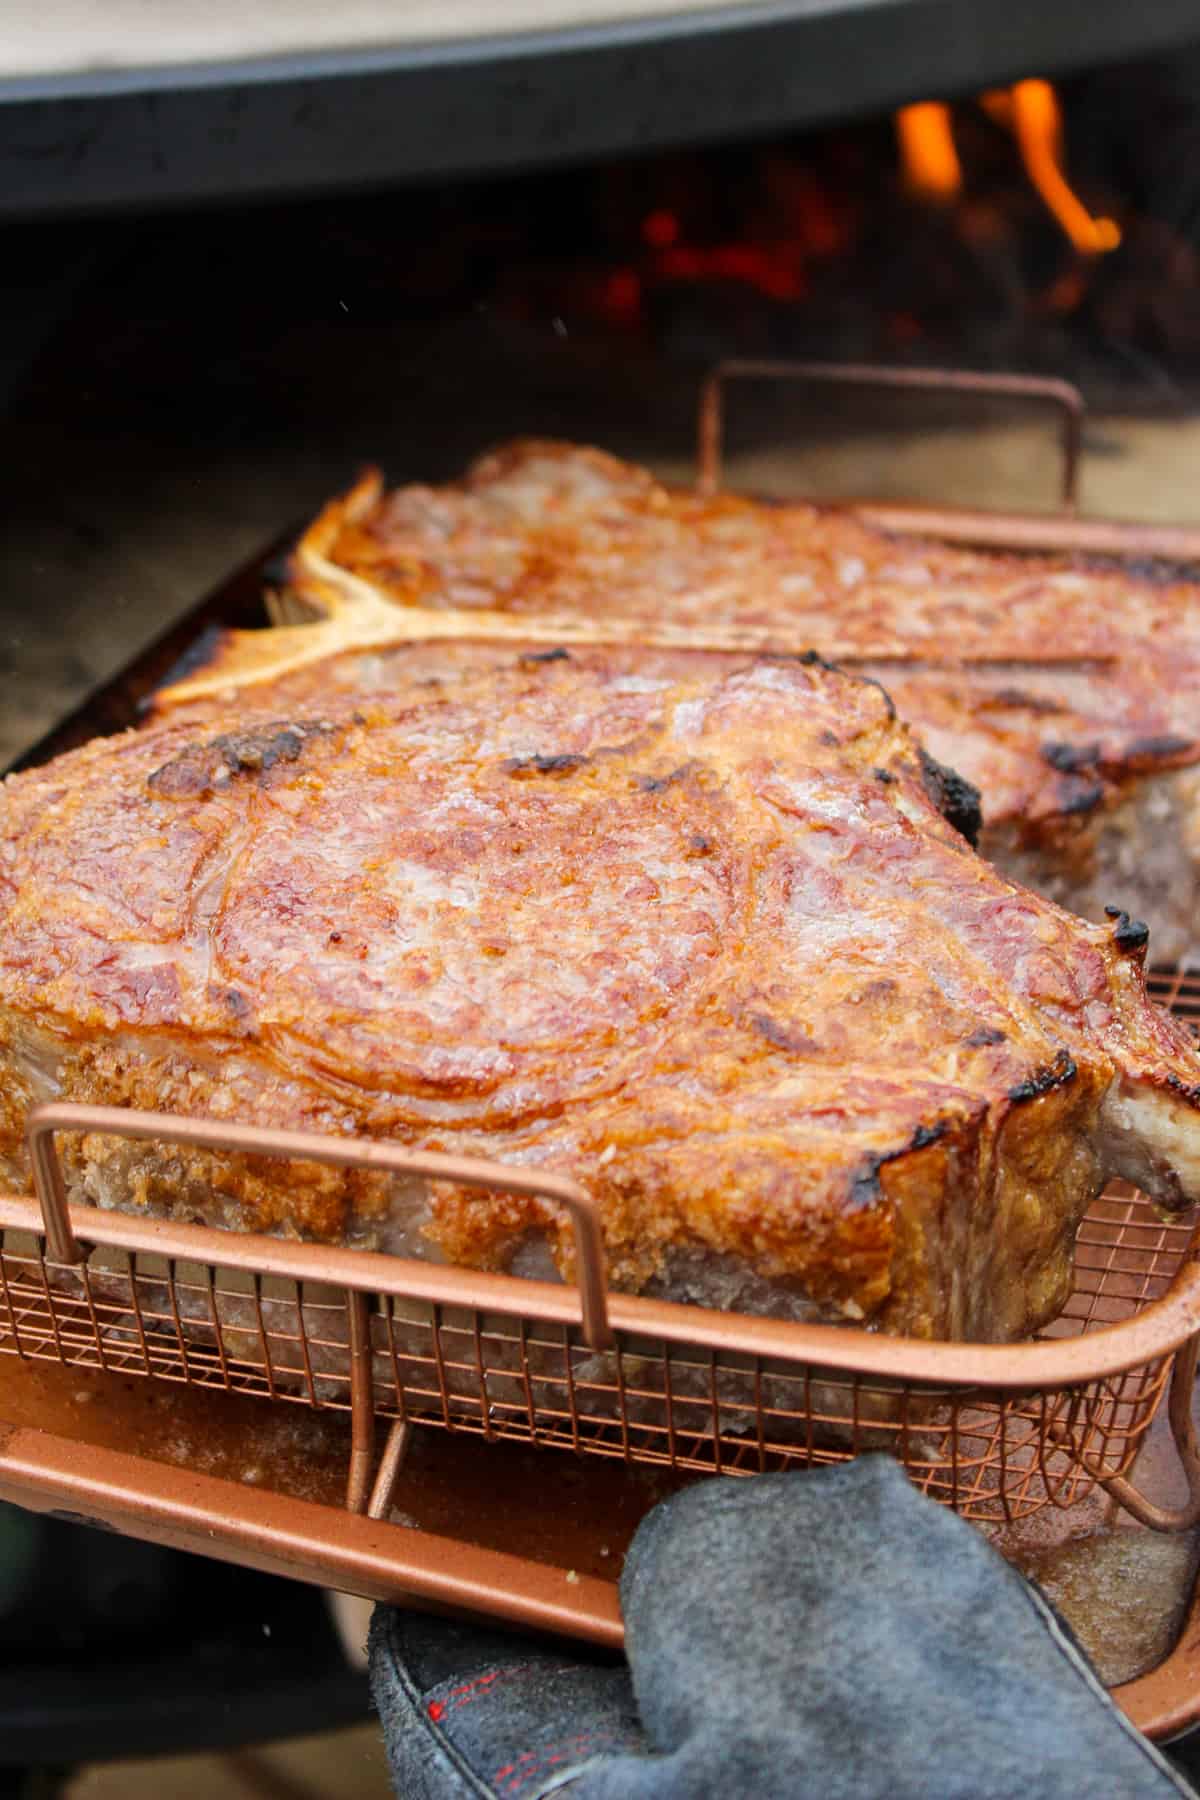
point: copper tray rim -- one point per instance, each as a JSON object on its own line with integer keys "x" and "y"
{"x": 402, "y": 1564}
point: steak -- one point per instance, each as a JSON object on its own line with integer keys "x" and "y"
{"x": 1068, "y": 694}
{"x": 698, "y": 935}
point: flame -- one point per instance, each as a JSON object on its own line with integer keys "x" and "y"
{"x": 1037, "y": 127}
{"x": 1030, "y": 110}
{"x": 931, "y": 166}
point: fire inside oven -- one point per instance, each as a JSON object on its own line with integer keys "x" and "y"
{"x": 227, "y": 369}
{"x": 984, "y": 304}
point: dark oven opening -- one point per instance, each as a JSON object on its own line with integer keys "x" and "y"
{"x": 181, "y": 384}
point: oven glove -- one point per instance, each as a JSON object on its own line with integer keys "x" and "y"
{"x": 828, "y": 1634}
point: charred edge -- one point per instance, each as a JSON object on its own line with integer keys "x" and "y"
{"x": 1034, "y": 703}
{"x": 871, "y": 681}
{"x": 955, "y": 797}
{"x": 530, "y": 658}
{"x": 524, "y": 766}
{"x": 1061, "y": 1071}
{"x": 884, "y": 775}
{"x": 866, "y": 1188}
{"x": 812, "y": 659}
{"x": 1130, "y": 934}
{"x": 983, "y": 1035}
{"x": 1158, "y": 749}
{"x": 199, "y": 655}
{"x": 243, "y": 753}
{"x": 1186, "y": 1091}
{"x": 1083, "y": 800}
{"x": 784, "y": 1037}
{"x": 234, "y": 1002}
{"x": 925, "y": 1135}
{"x": 1069, "y": 759}
{"x": 199, "y": 768}
{"x": 657, "y": 784}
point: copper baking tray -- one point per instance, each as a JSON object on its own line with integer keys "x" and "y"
{"x": 997, "y": 1432}
{"x": 1001, "y": 1433}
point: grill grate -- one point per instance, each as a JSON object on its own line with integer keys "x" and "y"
{"x": 500, "y": 1370}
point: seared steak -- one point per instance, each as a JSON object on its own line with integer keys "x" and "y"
{"x": 1069, "y": 695}
{"x": 700, "y": 937}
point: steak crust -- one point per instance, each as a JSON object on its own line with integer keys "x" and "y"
{"x": 1068, "y": 694}
{"x": 699, "y": 936}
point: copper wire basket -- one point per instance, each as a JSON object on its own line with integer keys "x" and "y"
{"x": 997, "y": 1432}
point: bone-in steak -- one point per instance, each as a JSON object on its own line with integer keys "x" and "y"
{"x": 1068, "y": 694}
{"x": 703, "y": 939}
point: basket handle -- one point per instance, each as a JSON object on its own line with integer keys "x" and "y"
{"x": 1187, "y": 1445}
{"x": 336, "y": 1152}
{"x": 710, "y": 423}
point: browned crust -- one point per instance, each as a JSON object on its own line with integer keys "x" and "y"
{"x": 715, "y": 953}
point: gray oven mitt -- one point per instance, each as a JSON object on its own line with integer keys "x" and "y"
{"x": 830, "y": 1634}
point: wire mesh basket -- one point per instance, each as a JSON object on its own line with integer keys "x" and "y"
{"x": 997, "y": 1432}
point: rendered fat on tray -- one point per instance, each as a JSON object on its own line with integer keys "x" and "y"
{"x": 701, "y": 937}
{"x": 1067, "y": 692}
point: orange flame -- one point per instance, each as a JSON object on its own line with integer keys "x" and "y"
{"x": 1030, "y": 110}
{"x": 1037, "y": 127}
{"x": 931, "y": 166}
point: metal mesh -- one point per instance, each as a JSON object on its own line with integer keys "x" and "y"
{"x": 992, "y": 1455}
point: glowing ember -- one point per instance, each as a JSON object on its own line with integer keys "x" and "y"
{"x": 660, "y": 229}
{"x": 622, "y": 298}
{"x": 775, "y": 270}
{"x": 972, "y": 230}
